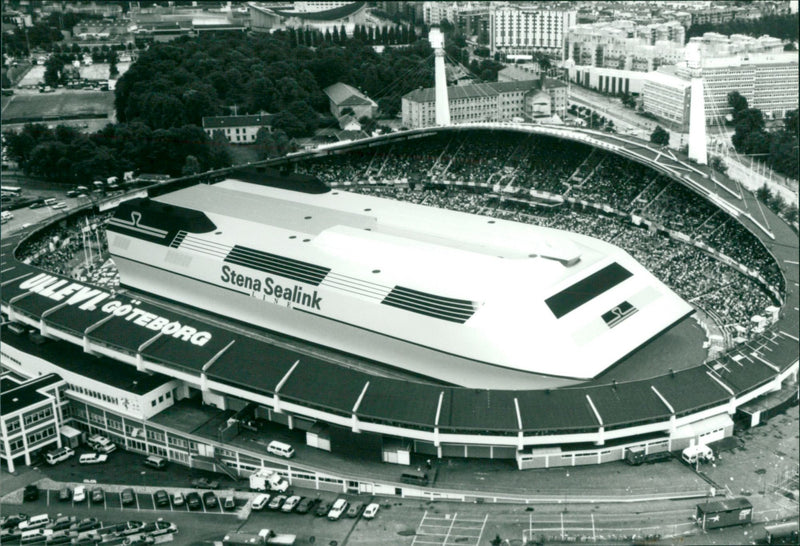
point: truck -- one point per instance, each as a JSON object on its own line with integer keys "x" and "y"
{"x": 636, "y": 455}
{"x": 264, "y": 536}
{"x": 724, "y": 513}
{"x": 265, "y": 479}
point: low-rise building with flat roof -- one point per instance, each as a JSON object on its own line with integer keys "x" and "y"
{"x": 237, "y": 129}
{"x": 30, "y": 416}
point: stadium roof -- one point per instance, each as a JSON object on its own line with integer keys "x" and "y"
{"x": 327, "y": 15}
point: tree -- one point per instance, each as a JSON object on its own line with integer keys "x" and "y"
{"x": 190, "y": 166}
{"x": 112, "y": 60}
{"x": 660, "y": 136}
{"x": 718, "y": 164}
{"x": 737, "y": 102}
{"x": 748, "y": 122}
{"x": 54, "y": 67}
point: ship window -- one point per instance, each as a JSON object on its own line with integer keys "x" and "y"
{"x": 587, "y": 289}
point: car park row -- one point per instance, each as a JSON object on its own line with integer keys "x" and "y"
{"x": 42, "y": 529}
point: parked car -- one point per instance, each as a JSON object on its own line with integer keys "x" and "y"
{"x": 276, "y": 502}
{"x": 322, "y": 509}
{"x": 61, "y": 205}
{"x": 12, "y": 520}
{"x": 178, "y": 499}
{"x": 260, "y": 502}
{"x": 371, "y": 510}
{"x": 86, "y": 524}
{"x": 159, "y": 463}
{"x": 205, "y": 483}
{"x": 229, "y": 503}
{"x": 98, "y": 495}
{"x": 210, "y": 500}
{"x": 355, "y": 509}
{"x": 193, "y": 501}
{"x": 291, "y": 503}
{"x": 339, "y": 507}
{"x": 128, "y": 496}
{"x": 161, "y": 498}
{"x": 30, "y": 493}
{"x": 306, "y": 505}
{"x": 65, "y": 494}
{"x": 63, "y": 522}
{"x": 92, "y": 458}
{"x": 79, "y": 494}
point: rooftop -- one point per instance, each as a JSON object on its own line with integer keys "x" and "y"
{"x": 72, "y": 358}
{"x": 483, "y": 89}
{"x": 18, "y": 396}
{"x": 220, "y": 122}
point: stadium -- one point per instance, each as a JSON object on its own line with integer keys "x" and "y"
{"x": 683, "y": 372}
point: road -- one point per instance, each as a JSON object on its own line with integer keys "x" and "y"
{"x": 626, "y": 120}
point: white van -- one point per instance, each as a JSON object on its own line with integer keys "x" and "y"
{"x": 7, "y": 215}
{"x": 34, "y": 522}
{"x": 50, "y": 201}
{"x": 692, "y": 454}
{"x": 58, "y": 455}
{"x": 101, "y": 444}
{"x": 35, "y": 536}
{"x": 281, "y": 449}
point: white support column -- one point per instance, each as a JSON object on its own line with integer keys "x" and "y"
{"x": 697, "y": 107}
{"x": 24, "y": 440}
{"x": 7, "y": 446}
{"x": 436, "y": 38}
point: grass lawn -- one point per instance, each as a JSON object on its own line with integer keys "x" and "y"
{"x": 55, "y": 105}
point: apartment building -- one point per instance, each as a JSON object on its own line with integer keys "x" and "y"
{"x": 525, "y": 29}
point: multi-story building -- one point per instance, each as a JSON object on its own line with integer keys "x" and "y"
{"x": 237, "y": 129}
{"x": 667, "y": 96}
{"x": 769, "y": 82}
{"x": 623, "y": 45}
{"x": 434, "y": 13}
{"x": 499, "y": 101}
{"x": 757, "y": 68}
{"x": 526, "y": 29}
{"x": 473, "y": 20}
{"x": 31, "y": 413}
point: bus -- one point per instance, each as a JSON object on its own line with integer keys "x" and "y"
{"x": 781, "y": 533}
{"x": 11, "y": 190}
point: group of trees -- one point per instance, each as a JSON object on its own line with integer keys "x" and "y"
{"x": 660, "y": 136}
{"x": 44, "y": 34}
{"x": 180, "y": 82}
{"x": 784, "y": 27}
{"x": 68, "y": 156}
{"x": 777, "y": 147}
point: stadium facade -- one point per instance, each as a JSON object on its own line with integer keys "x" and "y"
{"x": 338, "y": 406}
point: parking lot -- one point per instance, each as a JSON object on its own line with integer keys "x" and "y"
{"x": 446, "y": 529}
{"x": 143, "y": 502}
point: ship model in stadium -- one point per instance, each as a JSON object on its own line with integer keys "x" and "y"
{"x": 456, "y": 297}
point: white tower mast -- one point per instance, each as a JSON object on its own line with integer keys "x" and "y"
{"x": 436, "y": 38}
{"x": 697, "y": 106}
